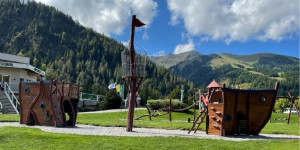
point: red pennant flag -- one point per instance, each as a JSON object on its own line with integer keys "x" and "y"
{"x": 138, "y": 23}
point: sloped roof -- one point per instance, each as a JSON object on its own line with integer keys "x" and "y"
{"x": 22, "y": 66}
{"x": 14, "y": 58}
{"x": 15, "y": 61}
{"x": 214, "y": 83}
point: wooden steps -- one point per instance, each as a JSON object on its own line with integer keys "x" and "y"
{"x": 6, "y": 103}
{"x": 201, "y": 116}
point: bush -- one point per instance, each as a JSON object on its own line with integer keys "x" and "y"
{"x": 283, "y": 103}
{"x": 112, "y": 100}
{"x": 159, "y": 104}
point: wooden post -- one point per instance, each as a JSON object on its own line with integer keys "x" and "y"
{"x": 132, "y": 80}
{"x": 149, "y": 112}
{"x": 297, "y": 112}
{"x": 170, "y": 110}
{"x": 200, "y": 106}
{"x": 292, "y": 102}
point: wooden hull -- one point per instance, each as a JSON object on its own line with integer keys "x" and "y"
{"x": 46, "y": 103}
{"x": 240, "y": 112}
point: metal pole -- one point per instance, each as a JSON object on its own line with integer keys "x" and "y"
{"x": 181, "y": 95}
{"x": 132, "y": 78}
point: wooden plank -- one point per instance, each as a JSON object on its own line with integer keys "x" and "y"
{"x": 26, "y": 99}
{"x": 215, "y": 119}
{"x": 229, "y": 104}
{"x": 259, "y": 111}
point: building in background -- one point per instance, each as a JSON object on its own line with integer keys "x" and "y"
{"x": 14, "y": 69}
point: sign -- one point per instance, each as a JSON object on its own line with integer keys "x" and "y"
{"x": 6, "y": 64}
{"x": 88, "y": 96}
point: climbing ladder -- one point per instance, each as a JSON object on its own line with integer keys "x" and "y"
{"x": 204, "y": 113}
{"x": 243, "y": 127}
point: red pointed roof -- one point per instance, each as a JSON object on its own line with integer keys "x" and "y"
{"x": 213, "y": 84}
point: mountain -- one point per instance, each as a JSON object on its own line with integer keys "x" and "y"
{"x": 170, "y": 60}
{"x": 257, "y": 71}
{"x": 68, "y": 51}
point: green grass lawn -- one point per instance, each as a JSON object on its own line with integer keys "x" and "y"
{"x": 281, "y": 127}
{"x": 179, "y": 121}
{"x": 32, "y": 138}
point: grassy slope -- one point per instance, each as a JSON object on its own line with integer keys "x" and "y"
{"x": 233, "y": 61}
{"x": 246, "y": 61}
{"x": 29, "y": 138}
{"x": 170, "y": 60}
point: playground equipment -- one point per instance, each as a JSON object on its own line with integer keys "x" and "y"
{"x": 166, "y": 111}
{"x": 292, "y": 99}
{"x": 46, "y": 103}
{"x": 235, "y": 111}
{"x": 157, "y": 113}
{"x": 133, "y": 71}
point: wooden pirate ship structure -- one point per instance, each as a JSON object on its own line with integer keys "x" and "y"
{"x": 235, "y": 111}
{"x": 47, "y": 103}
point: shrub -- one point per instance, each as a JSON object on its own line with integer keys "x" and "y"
{"x": 159, "y": 104}
{"x": 112, "y": 100}
{"x": 283, "y": 103}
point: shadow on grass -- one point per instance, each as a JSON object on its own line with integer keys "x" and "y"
{"x": 265, "y": 137}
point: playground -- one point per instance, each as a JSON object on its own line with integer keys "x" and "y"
{"x": 226, "y": 118}
{"x": 106, "y": 129}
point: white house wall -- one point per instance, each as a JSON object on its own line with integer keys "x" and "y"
{"x": 17, "y": 73}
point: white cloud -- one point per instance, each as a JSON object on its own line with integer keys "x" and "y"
{"x": 159, "y": 53}
{"x": 237, "y": 20}
{"x": 185, "y": 47}
{"x": 125, "y": 43}
{"x": 145, "y": 35}
{"x": 106, "y": 16}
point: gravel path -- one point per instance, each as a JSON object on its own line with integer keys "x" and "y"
{"x": 146, "y": 132}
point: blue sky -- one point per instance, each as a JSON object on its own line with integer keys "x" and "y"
{"x": 173, "y": 26}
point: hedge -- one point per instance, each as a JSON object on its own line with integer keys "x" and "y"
{"x": 159, "y": 104}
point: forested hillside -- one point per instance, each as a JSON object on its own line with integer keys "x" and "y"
{"x": 68, "y": 51}
{"x": 258, "y": 71}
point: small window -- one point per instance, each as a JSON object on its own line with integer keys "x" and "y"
{"x": 262, "y": 98}
{"x": 42, "y": 105}
{"x": 27, "y": 90}
{"x": 228, "y": 117}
